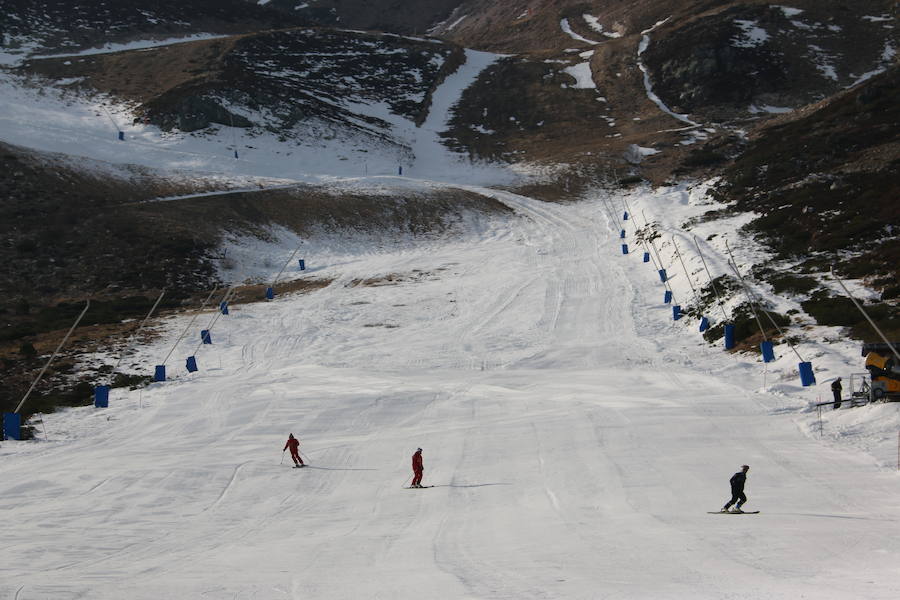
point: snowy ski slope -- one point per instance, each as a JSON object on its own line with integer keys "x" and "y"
{"x": 574, "y": 436}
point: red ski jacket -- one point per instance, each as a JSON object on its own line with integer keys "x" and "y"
{"x": 417, "y": 461}
{"x": 293, "y": 444}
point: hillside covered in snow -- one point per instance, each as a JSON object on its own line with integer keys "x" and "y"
{"x": 549, "y": 243}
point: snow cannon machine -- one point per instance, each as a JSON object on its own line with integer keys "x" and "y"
{"x": 882, "y": 365}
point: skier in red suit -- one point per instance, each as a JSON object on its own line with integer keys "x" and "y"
{"x": 418, "y": 469}
{"x": 294, "y": 444}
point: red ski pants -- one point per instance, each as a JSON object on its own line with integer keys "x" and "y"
{"x": 296, "y": 456}
{"x": 417, "y": 478}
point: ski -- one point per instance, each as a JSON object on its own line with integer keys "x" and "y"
{"x": 727, "y": 512}
{"x": 421, "y": 487}
{"x": 299, "y": 466}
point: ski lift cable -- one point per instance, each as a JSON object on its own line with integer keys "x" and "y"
{"x": 55, "y": 352}
{"x": 194, "y": 318}
{"x": 686, "y": 274}
{"x": 753, "y": 298}
{"x": 642, "y": 240}
{"x": 658, "y": 258}
{"x": 133, "y": 336}
{"x": 711, "y": 282}
{"x": 215, "y": 318}
{"x": 865, "y": 314}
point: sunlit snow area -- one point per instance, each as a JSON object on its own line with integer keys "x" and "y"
{"x": 575, "y": 435}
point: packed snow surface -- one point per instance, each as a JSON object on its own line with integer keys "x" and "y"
{"x": 574, "y": 434}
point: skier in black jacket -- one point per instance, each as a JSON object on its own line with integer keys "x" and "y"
{"x": 836, "y": 389}
{"x": 737, "y": 490}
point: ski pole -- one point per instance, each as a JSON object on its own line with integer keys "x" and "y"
{"x": 407, "y": 481}
{"x": 305, "y": 458}
{"x": 282, "y": 457}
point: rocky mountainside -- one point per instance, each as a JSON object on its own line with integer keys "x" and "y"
{"x": 60, "y": 26}
{"x": 395, "y": 16}
{"x": 825, "y": 183}
{"x": 275, "y": 80}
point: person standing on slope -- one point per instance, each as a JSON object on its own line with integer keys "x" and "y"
{"x": 418, "y": 469}
{"x": 836, "y": 389}
{"x": 737, "y": 490}
{"x": 294, "y": 444}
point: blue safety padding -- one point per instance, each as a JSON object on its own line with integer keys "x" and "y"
{"x": 302, "y": 264}
{"x": 624, "y": 248}
{"x": 768, "y": 351}
{"x": 191, "y": 364}
{"x": 729, "y": 336}
{"x": 205, "y": 336}
{"x": 160, "y": 373}
{"x": 662, "y": 275}
{"x": 704, "y": 324}
{"x": 622, "y": 234}
{"x": 667, "y": 297}
{"x": 625, "y": 216}
{"x": 101, "y": 396}
{"x": 122, "y": 136}
{"x": 12, "y": 426}
{"x": 223, "y": 306}
{"x": 646, "y": 257}
{"x": 676, "y": 312}
{"x": 807, "y": 377}
{"x": 270, "y": 293}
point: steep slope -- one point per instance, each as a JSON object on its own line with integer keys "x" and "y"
{"x": 30, "y": 27}
{"x": 382, "y": 15}
{"x": 574, "y": 436}
{"x": 284, "y": 77}
{"x": 689, "y": 63}
{"x": 756, "y": 58}
{"x": 824, "y": 184}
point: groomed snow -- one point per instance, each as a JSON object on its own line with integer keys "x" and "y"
{"x": 575, "y": 436}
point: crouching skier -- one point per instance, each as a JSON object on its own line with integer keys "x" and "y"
{"x": 294, "y": 444}
{"x": 737, "y": 490}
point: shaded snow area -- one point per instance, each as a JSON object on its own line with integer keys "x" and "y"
{"x": 752, "y": 35}
{"x": 765, "y": 108}
{"x": 315, "y": 150}
{"x": 887, "y": 56}
{"x": 789, "y": 11}
{"x": 575, "y": 435}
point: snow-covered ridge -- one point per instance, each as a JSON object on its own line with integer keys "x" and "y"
{"x": 380, "y": 142}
